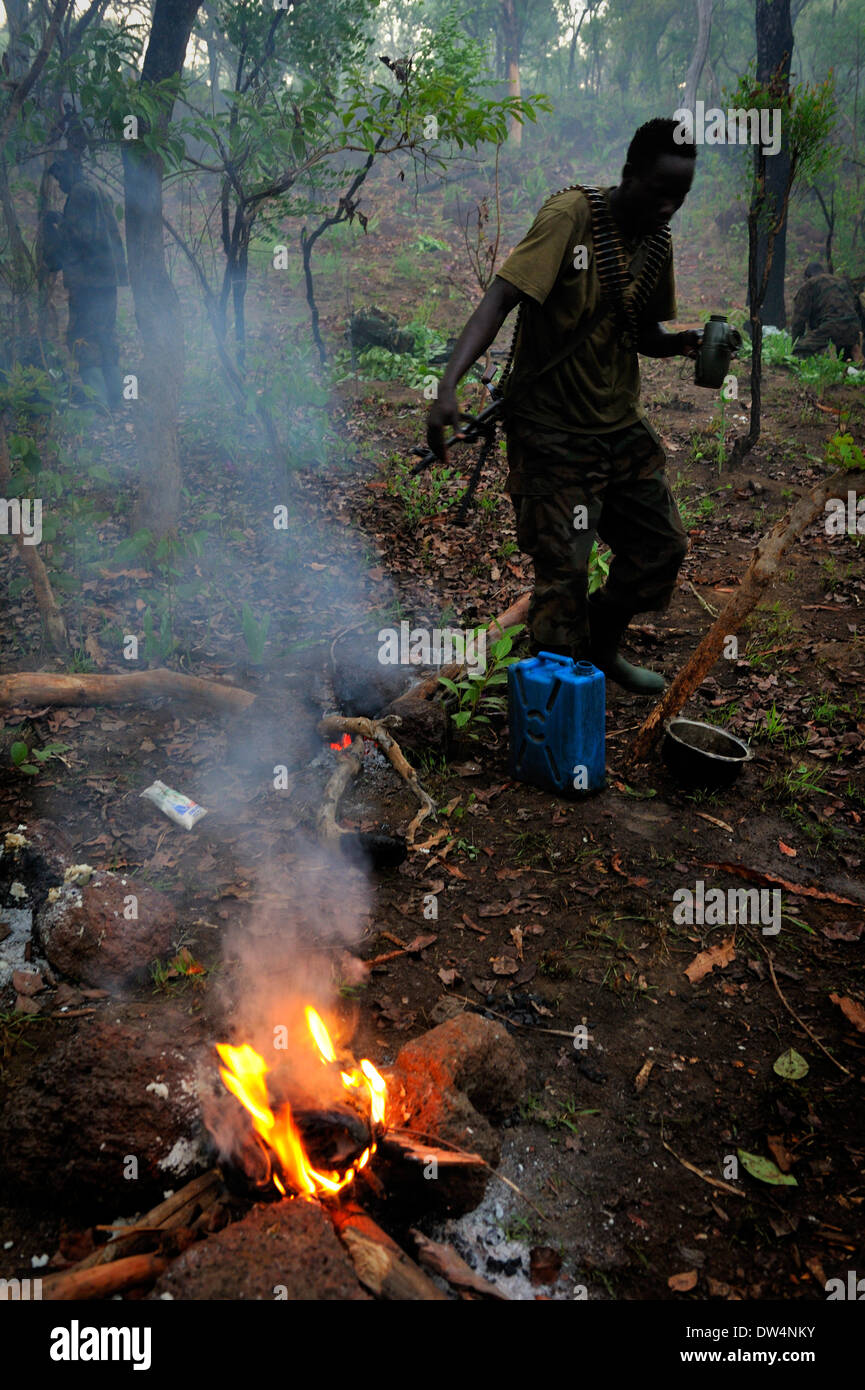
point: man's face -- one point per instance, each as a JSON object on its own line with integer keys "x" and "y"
{"x": 658, "y": 191}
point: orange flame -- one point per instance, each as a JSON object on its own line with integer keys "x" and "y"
{"x": 244, "y": 1075}
{"x": 345, "y": 742}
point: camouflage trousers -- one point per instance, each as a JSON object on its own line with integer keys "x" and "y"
{"x": 92, "y": 338}
{"x": 566, "y": 489}
{"x": 844, "y": 333}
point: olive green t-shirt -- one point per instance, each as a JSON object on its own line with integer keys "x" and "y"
{"x": 596, "y": 389}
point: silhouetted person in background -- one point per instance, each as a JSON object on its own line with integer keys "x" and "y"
{"x": 84, "y": 242}
{"x": 824, "y": 312}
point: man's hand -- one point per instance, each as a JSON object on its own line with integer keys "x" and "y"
{"x": 444, "y": 415}
{"x": 472, "y": 343}
{"x": 690, "y": 343}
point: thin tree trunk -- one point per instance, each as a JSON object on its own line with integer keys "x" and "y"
{"x": 701, "y": 48}
{"x": 157, "y": 309}
{"x": 510, "y": 23}
{"x": 774, "y": 31}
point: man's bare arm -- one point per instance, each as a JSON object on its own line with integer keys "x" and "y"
{"x": 479, "y": 332}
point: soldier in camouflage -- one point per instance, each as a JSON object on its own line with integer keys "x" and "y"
{"x": 583, "y": 459}
{"x": 824, "y": 312}
{"x": 85, "y": 243}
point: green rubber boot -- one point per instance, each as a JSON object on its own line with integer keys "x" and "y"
{"x": 607, "y": 625}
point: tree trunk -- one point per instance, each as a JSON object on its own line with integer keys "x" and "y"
{"x": 157, "y": 309}
{"x": 510, "y": 24}
{"x": 774, "y": 28}
{"x": 701, "y": 48}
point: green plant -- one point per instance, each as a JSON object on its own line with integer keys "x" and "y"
{"x": 79, "y": 661}
{"x": 255, "y": 634}
{"x": 599, "y": 567}
{"x": 477, "y": 696}
{"x": 182, "y": 970}
{"x": 419, "y": 500}
{"x": 29, "y": 760}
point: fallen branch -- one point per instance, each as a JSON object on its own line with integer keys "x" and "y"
{"x": 798, "y": 890}
{"x": 379, "y": 1263}
{"x": 379, "y": 730}
{"x": 52, "y": 619}
{"x": 348, "y": 767}
{"x": 105, "y": 1280}
{"x": 46, "y": 688}
{"x": 758, "y": 576}
{"x": 713, "y": 1182}
{"x": 803, "y": 1026}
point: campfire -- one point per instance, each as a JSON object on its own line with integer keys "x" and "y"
{"x": 308, "y": 1138}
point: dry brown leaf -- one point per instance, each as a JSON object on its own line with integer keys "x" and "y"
{"x": 779, "y": 1152}
{"x": 719, "y": 955}
{"x": 683, "y": 1283}
{"x": 641, "y": 1080}
{"x": 786, "y": 849}
{"x": 504, "y": 965}
{"x": 851, "y": 1010}
{"x": 517, "y": 938}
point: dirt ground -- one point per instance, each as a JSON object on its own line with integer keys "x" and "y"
{"x": 550, "y": 914}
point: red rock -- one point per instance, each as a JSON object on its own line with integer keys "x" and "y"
{"x": 284, "y": 1250}
{"x": 27, "y": 981}
{"x": 86, "y": 934}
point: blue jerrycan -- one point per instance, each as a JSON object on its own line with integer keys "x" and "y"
{"x": 556, "y": 712}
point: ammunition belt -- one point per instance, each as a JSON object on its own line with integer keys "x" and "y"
{"x": 628, "y": 299}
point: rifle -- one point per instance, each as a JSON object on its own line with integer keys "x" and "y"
{"x": 481, "y": 426}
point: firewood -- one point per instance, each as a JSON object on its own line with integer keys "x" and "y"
{"x": 52, "y": 618}
{"x": 47, "y": 688}
{"x": 348, "y": 767}
{"x": 177, "y": 1210}
{"x": 380, "y": 1265}
{"x": 441, "y": 1259}
{"x": 104, "y": 1280}
{"x": 415, "y": 1151}
{"x": 379, "y": 730}
{"x": 758, "y": 576}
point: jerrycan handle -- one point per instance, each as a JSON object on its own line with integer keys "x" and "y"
{"x": 554, "y": 656}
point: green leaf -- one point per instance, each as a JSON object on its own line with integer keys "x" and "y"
{"x": 764, "y": 1170}
{"x": 791, "y": 1065}
{"x": 18, "y": 753}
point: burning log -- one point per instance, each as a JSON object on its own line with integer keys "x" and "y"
{"x": 380, "y": 1265}
{"x": 47, "y": 688}
{"x": 105, "y": 1280}
{"x": 379, "y": 730}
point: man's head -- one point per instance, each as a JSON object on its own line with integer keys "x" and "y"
{"x": 815, "y": 268}
{"x": 657, "y": 176}
{"x": 66, "y": 169}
